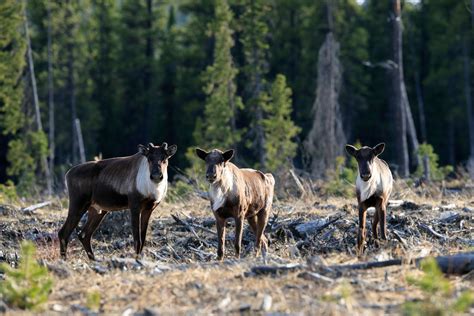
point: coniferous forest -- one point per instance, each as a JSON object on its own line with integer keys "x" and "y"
{"x": 286, "y": 83}
{"x": 357, "y": 115}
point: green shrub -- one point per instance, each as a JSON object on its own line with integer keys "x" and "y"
{"x": 93, "y": 301}
{"x": 438, "y": 293}
{"x": 28, "y": 286}
{"x": 437, "y": 172}
{"x": 8, "y": 193}
{"x": 342, "y": 179}
{"x": 179, "y": 190}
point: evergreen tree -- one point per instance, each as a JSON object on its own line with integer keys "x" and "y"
{"x": 138, "y": 73}
{"x": 279, "y": 128}
{"x": 216, "y": 128}
{"x": 190, "y": 45}
{"x": 26, "y": 145}
{"x": 295, "y": 40}
{"x": 106, "y": 88}
{"x": 255, "y": 45}
{"x": 448, "y": 23}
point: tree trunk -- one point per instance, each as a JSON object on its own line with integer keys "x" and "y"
{"x": 147, "y": 73}
{"x": 326, "y": 138}
{"x": 39, "y": 125}
{"x": 80, "y": 141}
{"x": 396, "y": 100}
{"x": 421, "y": 107}
{"x": 468, "y": 97}
{"x": 451, "y": 142}
{"x": 259, "y": 132}
{"x": 411, "y": 130}
{"x": 71, "y": 87}
{"x": 50, "y": 99}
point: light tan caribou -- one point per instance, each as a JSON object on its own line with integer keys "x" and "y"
{"x": 373, "y": 187}
{"x": 239, "y": 194}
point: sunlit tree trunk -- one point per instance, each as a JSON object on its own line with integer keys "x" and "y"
{"x": 50, "y": 98}
{"x": 326, "y": 138}
{"x": 396, "y": 100}
{"x": 39, "y": 125}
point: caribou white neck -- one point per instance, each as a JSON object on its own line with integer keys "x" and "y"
{"x": 219, "y": 190}
{"x": 370, "y": 187}
{"x": 150, "y": 188}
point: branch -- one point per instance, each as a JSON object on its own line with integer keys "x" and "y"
{"x": 460, "y": 263}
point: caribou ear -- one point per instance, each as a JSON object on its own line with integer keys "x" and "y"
{"x": 171, "y": 150}
{"x": 351, "y": 150}
{"x": 379, "y": 149}
{"x": 228, "y": 155}
{"x": 143, "y": 150}
{"x": 201, "y": 153}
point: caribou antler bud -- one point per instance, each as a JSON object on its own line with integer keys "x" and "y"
{"x": 165, "y": 146}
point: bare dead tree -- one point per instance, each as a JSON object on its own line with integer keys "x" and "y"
{"x": 397, "y": 99}
{"x": 80, "y": 141}
{"x": 326, "y": 138}
{"x": 421, "y": 108}
{"x": 468, "y": 92}
{"x": 71, "y": 86}
{"x": 147, "y": 70}
{"x": 39, "y": 125}
{"x": 411, "y": 129}
{"x": 51, "y": 132}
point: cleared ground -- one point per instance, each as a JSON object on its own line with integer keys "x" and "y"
{"x": 179, "y": 274}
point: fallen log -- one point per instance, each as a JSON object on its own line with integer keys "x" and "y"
{"x": 277, "y": 270}
{"x": 298, "y": 183}
{"x": 33, "y": 207}
{"x": 460, "y": 263}
{"x": 431, "y": 231}
{"x": 313, "y": 227}
{"x": 189, "y": 228}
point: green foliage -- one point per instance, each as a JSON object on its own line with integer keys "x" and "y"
{"x": 24, "y": 155}
{"x": 437, "y": 172}
{"x": 8, "y": 193}
{"x": 433, "y": 280}
{"x": 341, "y": 180}
{"x": 12, "y": 63}
{"x": 437, "y": 291}
{"x": 279, "y": 129}
{"x": 93, "y": 300}
{"x": 28, "y": 286}
{"x": 254, "y": 38}
{"x": 136, "y": 75}
{"x": 215, "y": 129}
{"x": 26, "y": 146}
{"x": 179, "y": 190}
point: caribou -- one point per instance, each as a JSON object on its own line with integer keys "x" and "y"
{"x": 240, "y": 194}
{"x": 138, "y": 182}
{"x": 373, "y": 187}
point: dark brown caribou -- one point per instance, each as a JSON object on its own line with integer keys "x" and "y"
{"x": 240, "y": 194}
{"x": 138, "y": 182}
{"x": 373, "y": 187}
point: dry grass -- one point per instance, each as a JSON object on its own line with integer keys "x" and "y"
{"x": 177, "y": 279}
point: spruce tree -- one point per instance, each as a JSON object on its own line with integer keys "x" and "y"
{"x": 279, "y": 129}
{"x": 104, "y": 46}
{"x": 255, "y": 44}
{"x": 217, "y": 127}
{"x": 139, "y": 42}
{"x": 25, "y": 145}
{"x": 12, "y": 63}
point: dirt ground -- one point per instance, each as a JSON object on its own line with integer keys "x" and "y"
{"x": 179, "y": 274}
